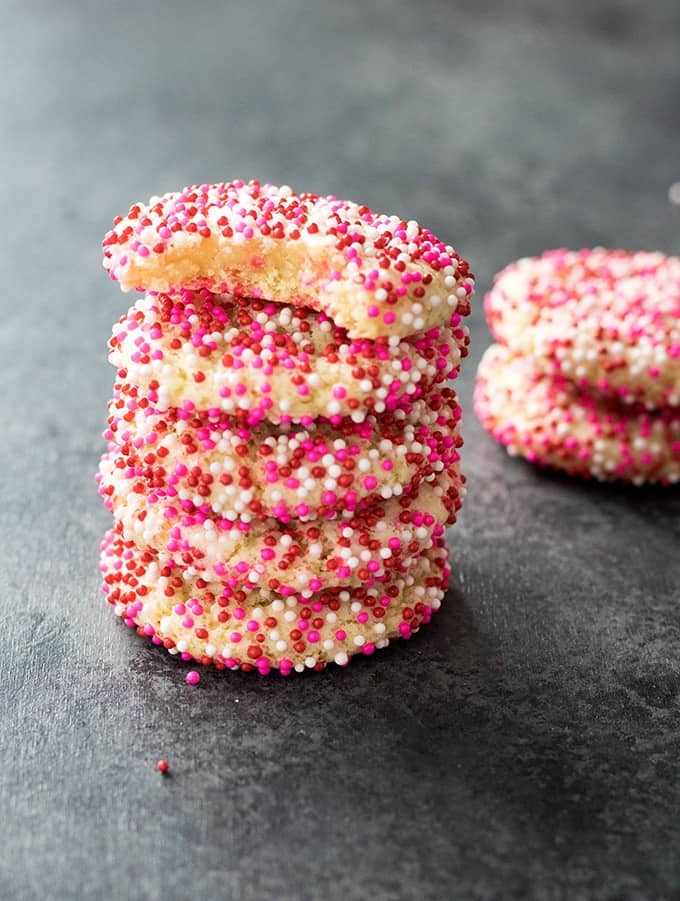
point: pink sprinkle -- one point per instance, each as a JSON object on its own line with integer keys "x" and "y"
{"x": 192, "y": 677}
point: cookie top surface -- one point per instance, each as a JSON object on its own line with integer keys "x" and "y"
{"x": 548, "y": 420}
{"x": 373, "y": 274}
{"x": 608, "y": 319}
{"x": 260, "y": 360}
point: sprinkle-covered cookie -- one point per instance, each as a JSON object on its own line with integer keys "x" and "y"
{"x": 283, "y": 450}
{"x": 371, "y": 273}
{"x": 549, "y": 421}
{"x": 212, "y": 464}
{"x": 358, "y": 548}
{"x": 607, "y": 319}
{"x": 261, "y": 360}
{"x": 264, "y": 629}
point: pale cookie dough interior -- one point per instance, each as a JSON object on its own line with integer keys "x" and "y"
{"x": 373, "y": 274}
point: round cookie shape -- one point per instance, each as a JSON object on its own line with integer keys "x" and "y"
{"x": 548, "y": 420}
{"x": 358, "y": 548}
{"x": 264, "y": 630}
{"x": 261, "y": 360}
{"x": 607, "y": 319}
{"x": 371, "y": 273}
{"x": 213, "y": 465}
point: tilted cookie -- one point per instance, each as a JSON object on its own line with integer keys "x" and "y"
{"x": 371, "y": 273}
{"x": 262, "y": 360}
{"x": 549, "y": 421}
{"x": 359, "y": 547}
{"x": 264, "y": 629}
{"x": 607, "y": 319}
{"x": 215, "y": 466}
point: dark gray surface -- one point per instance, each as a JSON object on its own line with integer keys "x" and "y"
{"x": 525, "y": 745}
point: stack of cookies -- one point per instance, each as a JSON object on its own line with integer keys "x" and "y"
{"x": 586, "y": 374}
{"x": 283, "y": 442}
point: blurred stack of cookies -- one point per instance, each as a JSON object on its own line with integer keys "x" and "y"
{"x": 586, "y": 374}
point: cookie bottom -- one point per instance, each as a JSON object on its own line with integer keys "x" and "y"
{"x": 267, "y": 630}
{"x": 549, "y": 421}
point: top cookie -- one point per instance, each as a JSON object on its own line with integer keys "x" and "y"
{"x": 371, "y": 273}
{"x": 607, "y": 319}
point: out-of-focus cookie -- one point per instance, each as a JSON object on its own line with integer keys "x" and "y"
{"x": 606, "y": 319}
{"x": 549, "y": 421}
{"x": 371, "y": 273}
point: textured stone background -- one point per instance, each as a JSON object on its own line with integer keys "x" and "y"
{"x": 526, "y": 745}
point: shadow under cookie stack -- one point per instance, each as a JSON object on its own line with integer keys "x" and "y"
{"x": 283, "y": 440}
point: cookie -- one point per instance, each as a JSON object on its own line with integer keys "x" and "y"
{"x": 357, "y": 548}
{"x": 607, "y": 319}
{"x": 372, "y": 274}
{"x": 210, "y": 463}
{"x": 261, "y": 360}
{"x": 548, "y": 420}
{"x": 264, "y": 629}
